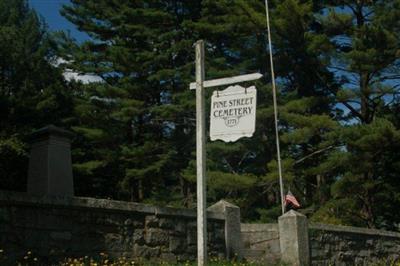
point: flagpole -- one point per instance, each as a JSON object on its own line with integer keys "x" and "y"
{"x": 278, "y": 152}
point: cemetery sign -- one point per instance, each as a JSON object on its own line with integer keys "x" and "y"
{"x": 233, "y": 113}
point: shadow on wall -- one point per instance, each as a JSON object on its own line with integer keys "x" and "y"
{"x": 54, "y": 224}
{"x": 58, "y": 227}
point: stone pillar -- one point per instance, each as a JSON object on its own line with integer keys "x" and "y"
{"x": 293, "y": 238}
{"x": 50, "y": 168}
{"x": 233, "y": 240}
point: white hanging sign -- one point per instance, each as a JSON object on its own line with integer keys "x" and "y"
{"x": 233, "y": 113}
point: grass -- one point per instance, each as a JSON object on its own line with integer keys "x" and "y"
{"x": 30, "y": 259}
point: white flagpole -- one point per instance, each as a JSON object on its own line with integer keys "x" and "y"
{"x": 275, "y": 108}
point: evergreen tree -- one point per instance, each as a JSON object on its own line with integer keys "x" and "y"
{"x": 336, "y": 66}
{"x": 365, "y": 44}
{"x": 236, "y": 42}
{"x": 32, "y": 91}
{"x": 137, "y": 134}
{"x": 308, "y": 114}
{"x": 237, "y": 32}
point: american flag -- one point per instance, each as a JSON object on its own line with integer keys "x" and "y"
{"x": 290, "y": 199}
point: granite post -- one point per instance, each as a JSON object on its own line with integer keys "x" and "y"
{"x": 50, "y": 168}
{"x": 293, "y": 238}
{"x": 233, "y": 239}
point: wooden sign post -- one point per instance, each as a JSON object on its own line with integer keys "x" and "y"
{"x": 199, "y": 85}
{"x": 201, "y": 142}
{"x": 201, "y": 158}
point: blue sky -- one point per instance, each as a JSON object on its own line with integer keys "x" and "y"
{"x": 50, "y": 11}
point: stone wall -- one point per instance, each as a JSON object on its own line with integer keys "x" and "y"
{"x": 59, "y": 227}
{"x": 261, "y": 242}
{"x": 343, "y": 245}
{"x": 328, "y": 244}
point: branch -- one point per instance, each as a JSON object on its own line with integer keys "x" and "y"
{"x": 352, "y": 110}
{"x": 313, "y": 153}
{"x": 244, "y": 157}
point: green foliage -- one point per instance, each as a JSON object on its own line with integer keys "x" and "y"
{"x": 138, "y": 116}
{"x": 334, "y": 74}
{"x": 12, "y": 153}
{"x": 337, "y": 68}
{"x": 364, "y": 65}
{"x": 32, "y": 91}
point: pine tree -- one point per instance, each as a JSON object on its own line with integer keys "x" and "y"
{"x": 337, "y": 79}
{"x": 32, "y": 91}
{"x": 307, "y": 115}
{"x": 365, "y": 43}
{"x": 237, "y": 33}
{"x": 141, "y": 51}
{"x": 335, "y": 65}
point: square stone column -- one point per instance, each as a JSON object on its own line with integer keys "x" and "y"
{"x": 293, "y": 238}
{"x": 50, "y": 168}
{"x": 233, "y": 235}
